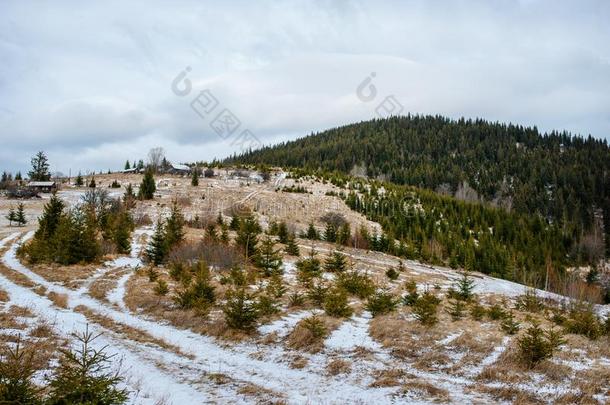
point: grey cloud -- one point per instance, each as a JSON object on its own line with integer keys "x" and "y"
{"x": 90, "y": 82}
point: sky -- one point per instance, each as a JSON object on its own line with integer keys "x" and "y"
{"x": 96, "y": 83}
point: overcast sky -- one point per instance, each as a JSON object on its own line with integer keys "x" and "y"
{"x": 91, "y": 84}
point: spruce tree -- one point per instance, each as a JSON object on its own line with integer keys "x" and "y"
{"x": 344, "y": 235}
{"x": 509, "y": 324}
{"x": 20, "y": 215}
{"x": 127, "y": 166}
{"x": 195, "y": 177}
{"x": 465, "y": 287}
{"x": 40, "y": 168}
{"x": 121, "y": 233}
{"x": 92, "y": 182}
{"x": 456, "y": 309}
{"x": 336, "y": 262}
{"x": 147, "y": 187}
{"x": 336, "y": 303}
{"x": 79, "y": 180}
{"x": 83, "y": 376}
{"x": 312, "y": 233}
{"x": 157, "y": 248}
{"x": 128, "y": 196}
{"x": 282, "y": 232}
{"x": 240, "y": 310}
{"x": 268, "y": 259}
{"x": 49, "y": 220}
{"x": 18, "y": 176}
{"x": 11, "y": 216}
{"x": 174, "y": 227}
{"x": 330, "y": 234}
{"x": 291, "y": 246}
{"x": 247, "y": 236}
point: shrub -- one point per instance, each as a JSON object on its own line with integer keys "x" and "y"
{"x": 529, "y": 302}
{"x": 456, "y": 309}
{"x": 152, "y": 274}
{"x": 477, "y": 311}
{"x": 198, "y": 293}
{"x": 266, "y": 305}
{"x": 356, "y": 283}
{"x": 335, "y": 303}
{"x": 276, "y": 287}
{"x": 240, "y": 310}
{"x": 412, "y": 295}
{"x": 161, "y": 288}
{"x": 308, "y": 268}
{"x": 496, "y": 312}
{"x": 335, "y": 263}
{"x": 425, "y": 309}
{"x": 537, "y": 345}
{"x": 316, "y": 293}
{"x": 296, "y": 299}
{"x": 392, "y": 274}
{"x": 509, "y": 325}
{"x": 382, "y": 302}
{"x": 582, "y": 320}
{"x": 82, "y": 376}
{"x": 308, "y": 334}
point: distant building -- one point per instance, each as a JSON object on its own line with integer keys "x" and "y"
{"x": 134, "y": 170}
{"x": 179, "y": 169}
{"x": 42, "y": 186}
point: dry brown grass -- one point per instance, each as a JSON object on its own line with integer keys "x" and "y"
{"x": 100, "y": 287}
{"x": 15, "y": 277}
{"x": 338, "y": 366}
{"x": 60, "y": 300}
{"x": 391, "y": 377}
{"x": 427, "y": 390}
{"x": 4, "y": 297}
{"x": 302, "y": 338}
{"x": 298, "y": 362}
{"x": 513, "y": 394}
{"x": 69, "y": 276}
{"x": 23, "y": 312}
{"x": 261, "y": 394}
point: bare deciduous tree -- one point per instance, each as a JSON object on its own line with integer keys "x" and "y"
{"x": 155, "y": 156}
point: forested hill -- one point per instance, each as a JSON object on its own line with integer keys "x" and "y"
{"x": 562, "y": 177}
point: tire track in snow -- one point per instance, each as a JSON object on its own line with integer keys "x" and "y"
{"x": 299, "y": 386}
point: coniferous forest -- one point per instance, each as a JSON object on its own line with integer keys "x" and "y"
{"x": 557, "y": 180}
{"x": 505, "y": 199}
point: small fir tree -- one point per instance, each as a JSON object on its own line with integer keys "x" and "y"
{"x": 83, "y": 376}
{"x": 335, "y": 303}
{"x": 20, "y": 215}
{"x": 11, "y": 216}
{"x": 456, "y": 309}
{"x": 268, "y": 259}
{"x": 336, "y": 262}
{"x": 240, "y": 310}
{"x": 148, "y": 186}
{"x": 79, "y": 182}
{"x": 509, "y": 324}
{"x": 291, "y": 246}
{"x": 157, "y": 248}
{"x": 195, "y": 177}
